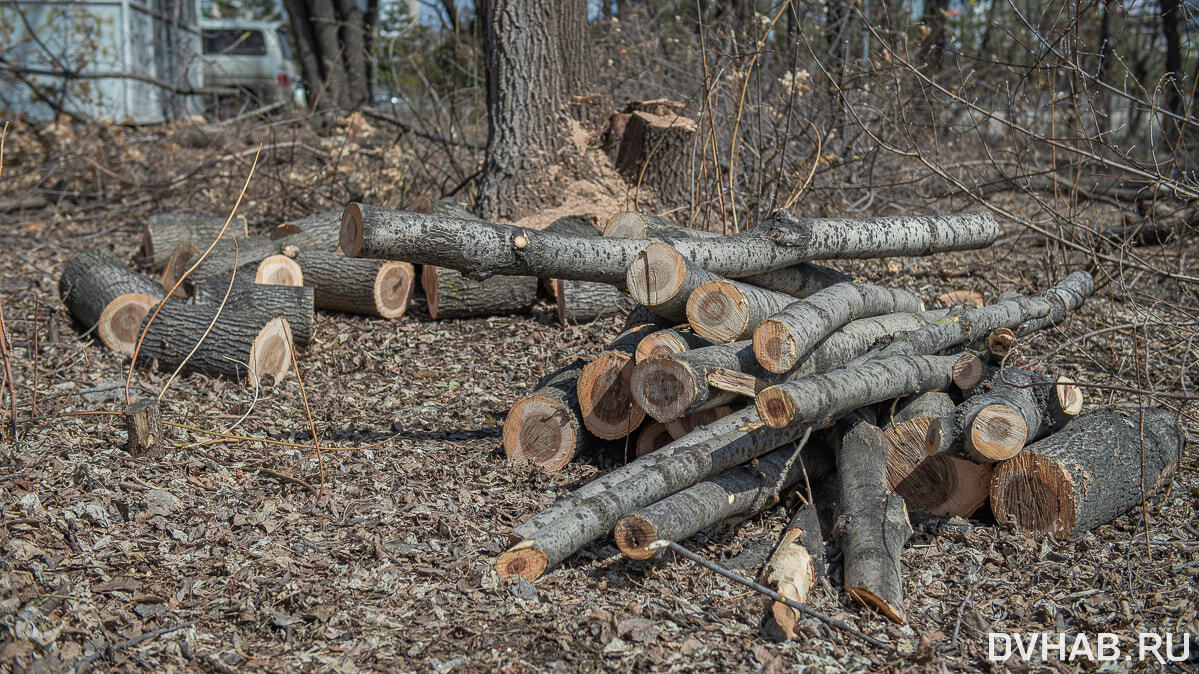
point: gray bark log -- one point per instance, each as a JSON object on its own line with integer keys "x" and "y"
{"x": 452, "y": 295}
{"x": 295, "y": 303}
{"x": 728, "y": 311}
{"x": 484, "y": 249}
{"x": 351, "y": 285}
{"x": 165, "y": 231}
{"x": 1088, "y": 473}
{"x": 546, "y": 426}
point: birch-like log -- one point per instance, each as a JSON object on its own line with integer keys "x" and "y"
{"x": 794, "y": 567}
{"x": 668, "y": 341}
{"x": 481, "y": 249}
{"x": 1088, "y": 473}
{"x": 873, "y": 525}
{"x": 728, "y": 311}
{"x": 790, "y": 335}
{"x": 707, "y": 451}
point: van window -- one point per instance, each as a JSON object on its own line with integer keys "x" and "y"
{"x": 284, "y": 46}
{"x": 233, "y": 41}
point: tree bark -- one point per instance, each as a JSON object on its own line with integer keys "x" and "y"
{"x": 537, "y": 56}
{"x": 873, "y": 526}
{"x": 931, "y": 404}
{"x": 546, "y": 426}
{"x": 708, "y": 451}
{"x": 585, "y": 301}
{"x": 143, "y": 423}
{"x": 236, "y": 339}
{"x": 452, "y": 295}
{"x": 790, "y": 335}
{"x": 1088, "y": 473}
{"x": 295, "y": 303}
{"x": 318, "y": 232}
{"x": 165, "y": 231}
{"x": 354, "y": 286}
{"x": 481, "y": 249}
{"x": 739, "y": 492}
{"x": 103, "y": 293}
{"x": 994, "y": 425}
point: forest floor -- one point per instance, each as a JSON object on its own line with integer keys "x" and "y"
{"x": 249, "y": 556}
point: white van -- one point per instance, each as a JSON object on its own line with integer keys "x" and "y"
{"x": 252, "y": 56}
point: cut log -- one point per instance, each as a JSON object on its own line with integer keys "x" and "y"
{"x": 708, "y": 451}
{"x": 1088, "y": 473}
{"x": 999, "y": 343}
{"x": 668, "y": 341}
{"x": 143, "y": 423}
{"x": 318, "y": 232}
{"x": 946, "y": 486}
{"x": 905, "y": 448}
{"x": 1021, "y": 406}
{"x": 279, "y": 270}
{"x": 586, "y": 301}
{"x": 251, "y": 250}
{"x": 674, "y": 386}
{"x": 794, "y": 567}
{"x": 166, "y": 231}
{"x": 680, "y": 427}
{"x": 181, "y": 258}
{"x": 728, "y": 311}
{"x": 662, "y": 278}
{"x": 970, "y": 373}
{"x": 969, "y": 298}
{"x": 789, "y": 336}
{"x": 823, "y": 397}
{"x": 103, "y": 293}
{"x": 295, "y": 303}
{"x": 736, "y": 493}
{"x": 452, "y": 295}
{"x": 931, "y": 404}
{"x": 485, "y": 249}
{"x": 655, "y": 153}
{"x": 545, "y": 427}
{"x": 353, "y": 286}
{"x": 633, "y": 225}
{"x": 605, "y": 396}
{"x": 245, "y": 345}
{"x": 653, "y": 436}
{"x": 873, "y": 526}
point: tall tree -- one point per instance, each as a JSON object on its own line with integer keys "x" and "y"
{"x": 1171, "y": 12}
{"x": 333, "y": 39}
{"x": 538, "y": 56}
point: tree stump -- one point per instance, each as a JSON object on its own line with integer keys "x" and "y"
{"x": 143, "y": 422}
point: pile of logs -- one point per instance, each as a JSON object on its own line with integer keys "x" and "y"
{"x": 747, "y": 373}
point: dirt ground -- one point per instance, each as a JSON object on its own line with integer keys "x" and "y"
{"x": 229, "y": 556}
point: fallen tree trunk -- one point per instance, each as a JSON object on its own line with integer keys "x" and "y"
{"x": 633, "y": 225}
{"x": 295, "y": 303}
{"x": 1000, "y": 343}
{"x": 221, "y": 261}
{"x": 663, "y": 279}
{"x": 873, "y": 525}
{"x": 738, "y": 492}
{"x": 1019, "y": 407}
{"x": 353, "y": 286}
{"x": 708, "y": 451}
{"x": 452, "y": 295}
{"x": 586, "y": 301}
{"x": 824, "y": 397}
{"x": 103, "y": 293}
{"x": 546, "y": 427}
{"x": 931, "y": 404}
{"x": 482, "y": 249}
{"x": 668, "y": 341}
{"x": 728, "y": 311}
{"x": 166, "y": 231}
{"x": 790, "y": 335}
{"x": 970, "y": 373}
{"x": 794, "y": 567}
{"x": 605, "y": 396}
{"x": 238, "y": 344}
{"x": 1088, "y": 473}
{"x": 946, "y": 486}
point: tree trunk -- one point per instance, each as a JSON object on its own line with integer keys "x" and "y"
{"x": 873, "y": 526}
{"x": 295, "y": 303}
{"x": 1171, "y": 12}
{"x": 333, "y": 40}
{"x": 164, "y": 232}
{"x": 585, "y": 301}
{"x": 353, "y": 286}
{"x": 994, "y": 425}
{"x": 481, "y": 249}
{"x": 739, "y": 492}
{"x": 931, "y": 404}
{"x": 653, "y": 436}
{"x": 452, "y": 295}
{"x": 537, "y": 56}
{"x": 1088, "y": 473}
{"x": 635, "y": 225}
{"x": 674, "y": 386}
{"x": 236, "y": 339}
{"x": 684, "y": 425}
{"x": 791, "y": 334}
{"x": 319, "y": 232}
{"x": 103, "y": 293}
{"x": 946, "y": 486}
{"x": 935, "y": 42}
{"x": 546, "y": 427}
